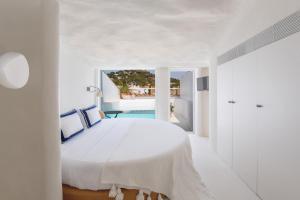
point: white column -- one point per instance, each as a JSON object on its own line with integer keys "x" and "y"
{"x": 162, "y": 93}
{"x": 203, "y": 106}
{"x": 198, "y": 106}
{"x": 50, "y": 96}
{"x": 213, "y": 136}
{"x": 98, "y": 84}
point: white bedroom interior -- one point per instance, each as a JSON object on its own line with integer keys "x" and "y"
{"x": 244, "y": 139}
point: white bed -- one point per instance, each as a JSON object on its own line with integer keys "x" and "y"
{"x": 145, "y": 154}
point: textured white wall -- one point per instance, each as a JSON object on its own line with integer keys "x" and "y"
{"x": 257, "y": 16}
{"x": 147, "y": 33}
{"x": 30, "y": 170}
{"x": 75, "y": 75}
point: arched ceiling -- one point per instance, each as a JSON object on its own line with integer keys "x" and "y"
{"x": 150, "y": 33}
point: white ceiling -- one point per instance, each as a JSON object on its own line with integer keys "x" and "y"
{"x": 154, "y": 33}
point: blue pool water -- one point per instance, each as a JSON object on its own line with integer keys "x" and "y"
{"x": 149, "y": 114}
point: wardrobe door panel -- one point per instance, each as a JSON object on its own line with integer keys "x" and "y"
{"x": 244, "y": 119}
{"x": 225, "y": 86}
{"x": 279, "y": 120}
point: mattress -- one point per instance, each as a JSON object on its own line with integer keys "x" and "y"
{"x": 145, "y": 154}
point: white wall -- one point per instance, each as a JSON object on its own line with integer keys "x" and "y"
{"x": 203, "y": 106}
{"x": 257, "y": 16}
{"x": 29, "y": 120}
{"x": 186, "y": 86}
{"x": 75, "y": 74}
{"x": 162, "y": 93}
{"x": 184, "y": 105}
{"x": 111, "y": 93}
{"x": 52, "y": 185}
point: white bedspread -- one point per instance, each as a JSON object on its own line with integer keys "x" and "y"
{"x": 133, "y": 153}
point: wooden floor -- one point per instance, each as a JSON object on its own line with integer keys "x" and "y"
{"x": 70, "y": 193}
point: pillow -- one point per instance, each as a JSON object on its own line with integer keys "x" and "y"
{"x": 70, "y": 125}
{"x": 91, "y": 116}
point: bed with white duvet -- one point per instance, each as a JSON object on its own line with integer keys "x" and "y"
{"x": 149, "y": 155}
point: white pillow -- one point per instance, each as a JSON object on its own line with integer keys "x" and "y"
{"x": 70, "y": 125}
{"x": 91, "y": 116}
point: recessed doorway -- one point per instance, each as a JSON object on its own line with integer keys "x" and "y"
{"x": 182, "y": 98}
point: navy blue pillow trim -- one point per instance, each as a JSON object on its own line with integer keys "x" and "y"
{"x": 96, "y": 123}
{"x": 91, "y": 107}
{"x": 63, "y": 139}
{"x": 68, "y": 113}
{"x": 86, "y": 118}
{"x": 72, "y": 112}
{"x": 85, "y": 115}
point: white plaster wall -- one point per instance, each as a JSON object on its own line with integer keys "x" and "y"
{"x": 76, "y": 73}
{"x": 258, "y": 15}
{"x": 111, "y": 93}
{"x": 28, "y": 169}
{"x": 162, "y": 93}
{"x": 139, "y": 33}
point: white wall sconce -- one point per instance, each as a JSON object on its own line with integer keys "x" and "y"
{"x": 94, "y": 89}
{"x": 14, "y": 70}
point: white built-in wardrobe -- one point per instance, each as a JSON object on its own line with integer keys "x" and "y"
{"x": 259, "y": 118}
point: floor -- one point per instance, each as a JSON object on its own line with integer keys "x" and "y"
{"x": 220, "y": 180}
{"x": 180, "y": 122}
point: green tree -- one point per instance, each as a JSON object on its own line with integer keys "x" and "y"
{"x": 141, "y": 78}
{"x": 126, "y": 78}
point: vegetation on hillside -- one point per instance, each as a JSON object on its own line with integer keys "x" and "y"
{"x": 124, "y": 79}
{"x": 175, "y": 83}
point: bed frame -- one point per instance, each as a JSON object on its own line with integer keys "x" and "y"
{"x": 71, "y": 193}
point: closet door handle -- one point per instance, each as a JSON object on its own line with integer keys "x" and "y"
{"x": 259, "y": 106}
{"x": 233, "y": 102}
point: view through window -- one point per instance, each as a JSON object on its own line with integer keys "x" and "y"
{"x": 128, "y": 93}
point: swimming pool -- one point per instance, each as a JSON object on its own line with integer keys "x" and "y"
{"x": 149, "y": 114}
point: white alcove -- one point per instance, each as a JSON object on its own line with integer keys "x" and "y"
{"x": 14, "y": 70}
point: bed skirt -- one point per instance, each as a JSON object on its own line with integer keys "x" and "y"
{"x": 71, "y": 193}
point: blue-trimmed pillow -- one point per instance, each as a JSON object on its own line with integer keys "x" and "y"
{"x": 70, "y": 125}
{"x": 91, "y": 116}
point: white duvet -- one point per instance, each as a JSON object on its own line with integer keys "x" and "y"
{"x": 133, "y": 153}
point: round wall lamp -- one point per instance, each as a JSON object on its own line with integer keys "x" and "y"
{"x": 14, "y": 70}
